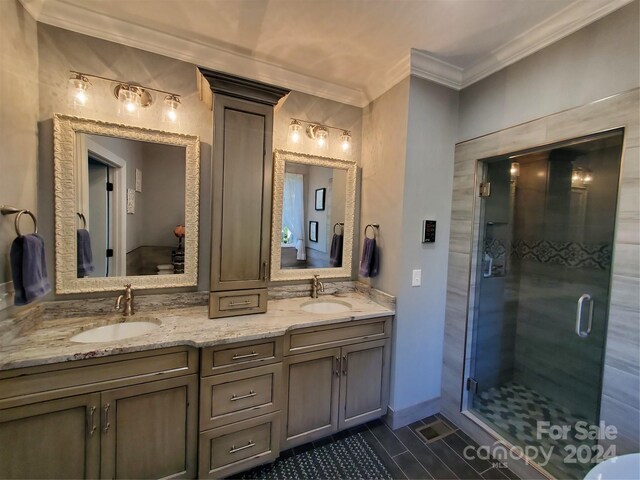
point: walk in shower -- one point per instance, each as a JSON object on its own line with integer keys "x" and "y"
{"x": 541, "y": 295}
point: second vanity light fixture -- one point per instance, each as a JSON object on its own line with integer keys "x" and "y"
{"x": 131, "y": 96}
{"x": 317, "y": 132}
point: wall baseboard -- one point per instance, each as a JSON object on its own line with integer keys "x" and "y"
{"x": 400, "y": 418}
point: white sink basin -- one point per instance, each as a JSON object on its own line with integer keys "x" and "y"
{"x": 116, "y": 331}
{"x": 326, "y": 306}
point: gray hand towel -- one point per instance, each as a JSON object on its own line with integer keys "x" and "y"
{"x": 335, "y": 257}
{"x": 85, "y": 257}
{"x": 29, "y": 269}
{"x": 369, "y": 259}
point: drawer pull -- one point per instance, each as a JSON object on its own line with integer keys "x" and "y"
{"x": 92, "y": 423}
{"x": 106, "y": 418}
{"x": 248, "y": 395}
{"x": 237, "y": 304}
{"x": 248, "y": 355}
{"x": 235, "y": 449}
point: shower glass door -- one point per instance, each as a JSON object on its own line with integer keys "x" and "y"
{"x": 541, "y": 296}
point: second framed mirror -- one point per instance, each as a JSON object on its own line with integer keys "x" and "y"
{"x": 313, "y": 216}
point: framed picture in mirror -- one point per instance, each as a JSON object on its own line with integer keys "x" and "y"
{"x": 313, "y": 231}
{"x": 321, "y": 193}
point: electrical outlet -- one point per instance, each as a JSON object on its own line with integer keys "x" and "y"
{"x": 416, "y": 278}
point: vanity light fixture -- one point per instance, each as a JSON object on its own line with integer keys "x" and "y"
{"x": 515, "y": 171}
{"x": 319, "y": 133}
{"x": 171, "y": 104}
{"x": 78, "y": 87}
{"x": 345, "y": 141}
{"x": 581, "y": 177}
{"x": 131, "y": 96}
{"x": 295, "y": 127}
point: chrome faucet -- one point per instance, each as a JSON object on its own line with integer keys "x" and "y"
{"x": 127, "y": 296}
{"x": 314, "y": 286}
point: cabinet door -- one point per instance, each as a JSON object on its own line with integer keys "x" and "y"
{"x": 241, "y": 215}
{"x": 311, "y": 383}
{"x": 364, "y": 382}
{"x": 53, "y": 439}
{"x": 150, "y": 430}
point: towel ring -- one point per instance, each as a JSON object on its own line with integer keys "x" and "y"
{"x": 84, "y": 220}
{"x": 374, "y": 227}
{"x": 5, "y": 210}
{"x": 340, "y": 224}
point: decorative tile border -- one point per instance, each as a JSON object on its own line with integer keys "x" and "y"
{"x": 567, "y": 254}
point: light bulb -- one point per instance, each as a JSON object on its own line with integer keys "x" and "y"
{"x": 294, "y": 131}
{"x": 171, "y": 104}
{"x": 345, "y": 141}
{"x": 322, "y": 137}
{"x": 78, "y": 86}
{"x": 129, "y": 97}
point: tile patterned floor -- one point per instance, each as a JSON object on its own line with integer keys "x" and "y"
{"x": 515, "y": 410}
{"x": 403, "y": 454}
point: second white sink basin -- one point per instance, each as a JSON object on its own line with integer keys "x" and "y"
{"x": 116, "y": 331}
{"x": 326, "y": 306}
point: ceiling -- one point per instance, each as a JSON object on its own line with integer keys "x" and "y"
{"x": 347, "y": 50}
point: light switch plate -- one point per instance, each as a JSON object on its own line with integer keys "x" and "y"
{"x": 416, "y": 278}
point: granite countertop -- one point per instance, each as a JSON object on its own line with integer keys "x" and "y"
{"x": 46, "y": 341}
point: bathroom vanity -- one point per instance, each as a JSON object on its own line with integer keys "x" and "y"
{"x": 193, "y": 398}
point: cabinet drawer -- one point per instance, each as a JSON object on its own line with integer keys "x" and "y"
{"x": 228, "y": 358}
{"x": 232, "y": 397}
{"x": 84, "y": 376}
{"x": 243, "y": 302}
{"x": 231, "y": 449}
{"x": 317, "y": 338}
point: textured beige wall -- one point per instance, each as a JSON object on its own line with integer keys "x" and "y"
{"x": 18, "y": 121}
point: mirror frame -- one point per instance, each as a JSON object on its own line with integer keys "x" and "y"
{"x": 65, "y": 130}
{"x": 279, "y": 274}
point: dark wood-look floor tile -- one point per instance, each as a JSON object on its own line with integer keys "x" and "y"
{"x": 458, "y": 444}
{"x": 509, "y": 473}
{"x": 494, "y": 474}
{"x": 411, "y": 467}
{"x": 455, "y": 463}
{"x": 436, "y": 468}
{"x": 324, "y": 441}
{"x": 386, "y": 437}
{"x": 391, "y": 466}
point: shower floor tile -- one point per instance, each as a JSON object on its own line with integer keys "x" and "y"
{"x": 515, "y": 411}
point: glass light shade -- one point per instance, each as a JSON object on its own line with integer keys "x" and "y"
{"x": 295, "y": 132}
{"x": 515, "y": 171}
{"x": 78, "y": 90}
{"x": 322, "y": 138}
{"x": 129, "y": 101}
{"x": 171, "y": 105}
{"x": 345, "y": 141}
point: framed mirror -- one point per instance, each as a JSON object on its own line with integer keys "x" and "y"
{"x": 313, "y": 216}
{"x": 126, "y": 206}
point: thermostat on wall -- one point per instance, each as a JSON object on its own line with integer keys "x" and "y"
{"x": 428, "y": 231}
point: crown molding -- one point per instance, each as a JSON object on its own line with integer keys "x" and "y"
{"x": 78, "y": 19}
{"x": 431, "y": 68}
{"x": 419, "y": 63}
{"x": 570, "y": 19}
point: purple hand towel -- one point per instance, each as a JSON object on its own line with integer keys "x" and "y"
{"x": 335, "y": 257}
{"x": 85, "y": 256}
{"x": 369, "y": 259}
{"x": 29, "y": 269}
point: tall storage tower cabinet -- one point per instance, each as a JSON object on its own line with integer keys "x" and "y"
{"x": 242, "y": 186}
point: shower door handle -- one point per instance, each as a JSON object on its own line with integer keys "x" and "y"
{"x": 584, "y": 333}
